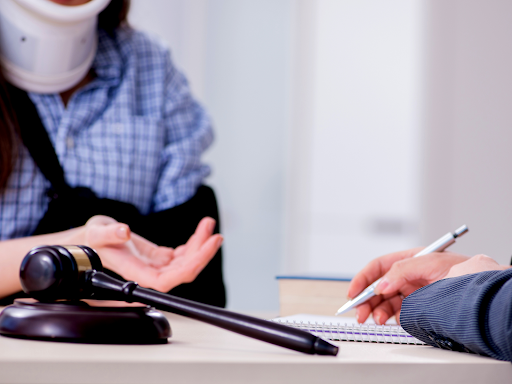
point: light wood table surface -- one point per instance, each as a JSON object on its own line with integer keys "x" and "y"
{"x": 201, "y": 353}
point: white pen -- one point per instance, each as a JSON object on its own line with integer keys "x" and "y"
{"x": 437, "y": 246}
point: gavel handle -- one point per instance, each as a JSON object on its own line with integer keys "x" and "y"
{"x": 274, "y": 333}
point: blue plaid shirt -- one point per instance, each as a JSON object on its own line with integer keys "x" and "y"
{"x": 133, "y": 134}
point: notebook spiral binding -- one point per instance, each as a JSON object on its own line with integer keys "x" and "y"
{"x": 371, "y": 333}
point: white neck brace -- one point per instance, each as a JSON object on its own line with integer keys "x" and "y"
{"x": 47, "y": 47}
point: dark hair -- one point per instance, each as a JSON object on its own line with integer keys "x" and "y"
{"x": 109, "y": 19}
{"x": 9, "y": 134}
{"x": 114, "y": 15}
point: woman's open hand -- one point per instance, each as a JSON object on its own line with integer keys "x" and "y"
{"x": 151, "y": 266}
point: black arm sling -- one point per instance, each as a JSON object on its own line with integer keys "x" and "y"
{"x": 71, "y": 207}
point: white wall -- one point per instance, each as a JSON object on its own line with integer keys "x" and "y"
{"x": 245, "y": 86}
{"x": 182, "y": 25}
{"x": 468, "y": 131}
{"x": 358, "y": 124}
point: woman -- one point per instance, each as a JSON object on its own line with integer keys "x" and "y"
{"x": 124, "y": 128}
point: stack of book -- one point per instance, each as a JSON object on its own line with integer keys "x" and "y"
{"x": 312, "y": 294}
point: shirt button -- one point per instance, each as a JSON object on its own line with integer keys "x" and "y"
{"x": 70, "y": 143}
{"x": 118, "y": 128}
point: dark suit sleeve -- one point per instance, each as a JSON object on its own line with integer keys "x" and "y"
{"x": 471, "y": 313}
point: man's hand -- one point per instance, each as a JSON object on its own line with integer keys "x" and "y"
{"x": 151, "y": 266}
{"x": 401, "y": 275}
{"x": 478, "y": 263}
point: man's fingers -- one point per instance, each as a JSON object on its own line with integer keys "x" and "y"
{"x": 387, "y": 309}
{"x": 400, "y": 274}
{"x": 478, "y": 263}
{"x": 407, "y": 289}
{"x": 376, "y": 269}
{"x": 418, "y": 271}
{"x": 364, "y": 310}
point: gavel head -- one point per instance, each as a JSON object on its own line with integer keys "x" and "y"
{"x": 55, "y": 272}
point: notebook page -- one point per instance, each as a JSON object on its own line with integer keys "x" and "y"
{"x": 347, "y": 329}
{"x": 330, "y": 319}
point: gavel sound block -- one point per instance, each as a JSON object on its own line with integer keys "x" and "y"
{"x": 51, "y": 274}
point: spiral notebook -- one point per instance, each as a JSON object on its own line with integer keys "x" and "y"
{"x": 347, "y": 329}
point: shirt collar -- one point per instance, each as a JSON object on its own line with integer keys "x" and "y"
{"x": 108, "y": 62}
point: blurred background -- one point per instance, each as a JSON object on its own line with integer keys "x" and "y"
{"x": 347, "y": 129}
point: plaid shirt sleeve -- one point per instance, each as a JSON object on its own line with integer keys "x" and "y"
{"x": 188, "y": 132}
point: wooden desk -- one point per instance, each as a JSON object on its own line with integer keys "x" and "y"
{"x": 200, "y": 353}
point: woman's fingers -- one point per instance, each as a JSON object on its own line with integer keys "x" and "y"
{"x": 148, "y": 252}
{"x": 162, "y": 256}
{"x": 138, "y": 259}
{"x": 207, "y": 251}
{"x": 100, "y": 220}
{"x": 120, "y": 260}
{"x": 186, "y": 268}
{"x": 100, "y": 235}
{"x": 105, "y": 232}
{"x": 203, "y": 232}
{"x": 180, "y": 251}
{"x": 179, "y": 270}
